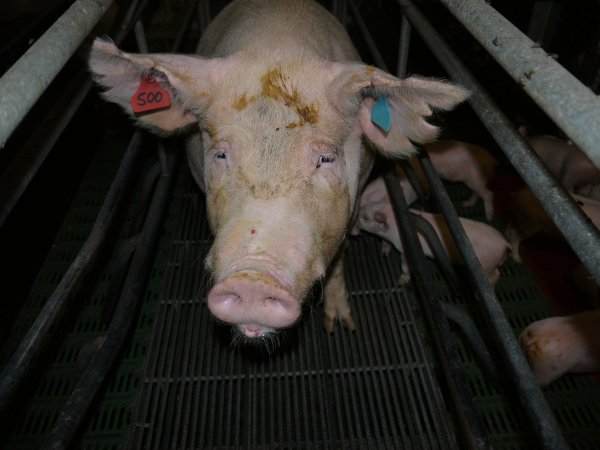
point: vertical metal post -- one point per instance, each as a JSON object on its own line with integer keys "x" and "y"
{"x": 403, "y": 48}
{"x": 140, "y": 36}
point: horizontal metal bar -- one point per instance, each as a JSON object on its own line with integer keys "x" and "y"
{"x": 577, "y": 229}
{"x": 574, "y": 107}
{"x": 26, "y": 80}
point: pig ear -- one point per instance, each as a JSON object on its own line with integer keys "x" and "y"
{"x": 187, "y": 78}
{"x": 410, "y": 101}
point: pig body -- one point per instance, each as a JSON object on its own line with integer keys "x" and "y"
{"x": 567, "y": 162}
{"x": 278, "y": 110}
{"x": 376, "y": 191}
{"x": 529, "y": 218}
{"x": 466, "y": 163}
{"x": 560, "y": 345}
{"x": 489, "y": 245}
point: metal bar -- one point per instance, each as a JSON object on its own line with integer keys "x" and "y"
{"x": 564, "y": 212}
{"x": 74, "y": 410}
{"x": 426, "y": 230}
{"x": 31, "y": 156}
{"x": 457, "y": 380}
{"x": 26, "y": 80}
{"x": 466, "y": 324}
{"x": 534, "y": 401}
{"x": 22, "y": 169}
{"x": 403, "y": 48}
{"x": 364, "y": 30}
{"x": 30, "y": 346}
{"x": 140, "y": 36}
{"x": 573, "y": 106}
{"x": 414, "y": 181}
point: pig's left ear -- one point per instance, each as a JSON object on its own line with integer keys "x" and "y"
{"x": 187, "y": 79}
{"x": 356, "y": 88}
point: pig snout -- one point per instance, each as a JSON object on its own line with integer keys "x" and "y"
{"x": 255, "y": 302}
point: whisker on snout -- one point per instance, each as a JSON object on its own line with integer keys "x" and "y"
{"x": 269, "y": 342}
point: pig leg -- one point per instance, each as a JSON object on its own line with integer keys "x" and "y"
{"x": 478, "y": 186}
{"x": 336, "y": 299}
{"x": 471, "y": 200}
{"x": 405, "y": 277}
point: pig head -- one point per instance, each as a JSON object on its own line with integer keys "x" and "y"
{"x": 277, "y": 109}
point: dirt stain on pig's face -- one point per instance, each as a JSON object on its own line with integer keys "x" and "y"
{"x": 277, "y": 86}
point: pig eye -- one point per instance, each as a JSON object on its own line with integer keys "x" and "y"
{"x": 325, "y": 159}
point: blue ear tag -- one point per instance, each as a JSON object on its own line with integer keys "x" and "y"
{"x": 380, "y": 114}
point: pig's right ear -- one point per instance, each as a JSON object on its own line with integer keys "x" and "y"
{"x": 187, "y": 79}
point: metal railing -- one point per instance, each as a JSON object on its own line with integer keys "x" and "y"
{"x": 22, "y": 169}
{"x": 573, "y": 106}
{"x": 28, "y": 78}
{"x": 576, "y": 227}
{"x": 32, "y": 344}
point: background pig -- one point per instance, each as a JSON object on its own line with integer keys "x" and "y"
{"x": 489, "y": 245}
{"x": 566, "y": 161}
{"x": 467, "y": 163}
{"x": 528, "y": 218}
{"x": 559, "y": 345}
{"x": 278, "y": 108}
{"x": 375, "y": 191}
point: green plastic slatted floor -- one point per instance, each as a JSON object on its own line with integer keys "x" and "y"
{"x": 575, "y": 399}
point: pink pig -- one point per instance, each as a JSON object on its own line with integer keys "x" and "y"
{"x": 567, "y": 162}
{"x": 560, "y": 345}
{"x": 377, "y": 192}
{"x": 278, "y": 111}
{"x": 467, "y": 163}
{"x": 489, "y": 245}
{"x": 528, "y": 218}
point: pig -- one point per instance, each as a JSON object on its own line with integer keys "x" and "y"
{"x": 489, "y": 245}
{"x": 559, "y": 345}
{"x": 566, "y": 161}
{"x": 529, "y": 218}
{"x": 453, "y": 161}
{"x": 376, "y": 191}
{"x": 467, "y": 163}
{"x": 277, "y": 107}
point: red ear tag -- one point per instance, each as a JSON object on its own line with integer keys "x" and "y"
{"x": 150, "y": 96}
